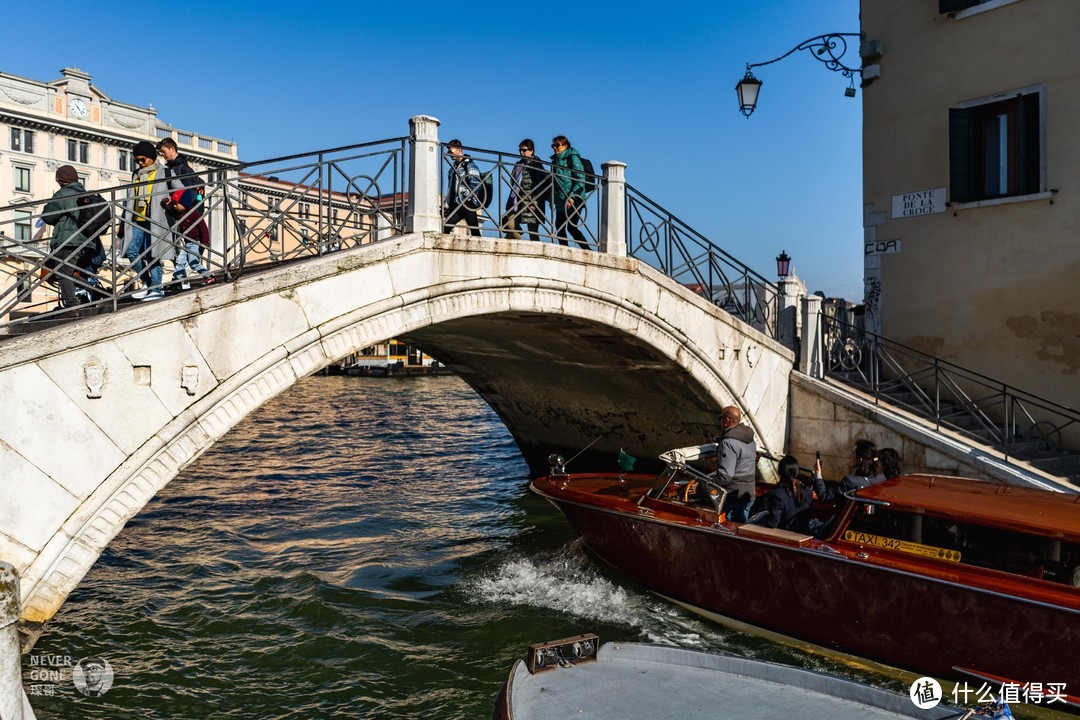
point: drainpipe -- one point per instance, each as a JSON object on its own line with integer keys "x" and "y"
{"x": 424, "y": 214}
{"x": 613, "y": 209}
{"x": 11, "y": 692}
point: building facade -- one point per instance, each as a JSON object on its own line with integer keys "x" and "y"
{"x": 971, "y": 169}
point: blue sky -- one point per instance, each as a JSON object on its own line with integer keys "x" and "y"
{"x": 649, "y": 84}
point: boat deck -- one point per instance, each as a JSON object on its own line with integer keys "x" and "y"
{"x": 662, "y": 683}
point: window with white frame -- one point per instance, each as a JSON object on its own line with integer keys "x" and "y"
{"x": 22, "y": 225}
{"x": 996, "y": 148}
{"x": 22, "y": 140}
{"x": 22, "y": 179}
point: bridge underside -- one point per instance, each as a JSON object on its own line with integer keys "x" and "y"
{"x": 559, "y": 383}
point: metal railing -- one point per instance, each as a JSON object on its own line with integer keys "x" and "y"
{"x": 491, "y": 202}
{"x": 1019, "y": 423}
{"x": 655, "y": 236}
{"x": 257, "y": 214}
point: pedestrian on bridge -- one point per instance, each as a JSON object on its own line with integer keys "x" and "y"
{"x": 569, "y": 191}
{"x": 463, "y": 183}
{"x": 66, "y": 243}
{"x": 527, "y": 191}
{"x": 149, "y": 239}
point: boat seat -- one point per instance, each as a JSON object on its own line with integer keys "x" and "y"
{"x": 760, "y": 531}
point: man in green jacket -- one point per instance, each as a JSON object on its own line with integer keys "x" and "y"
{"x": 66, "y": 243}
{"x": 569, "y": 191}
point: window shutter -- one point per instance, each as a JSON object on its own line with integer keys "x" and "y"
{"x": 1027, "y": 144}
{"x": 951, "y": 6}
{"x": 961, "y": 156}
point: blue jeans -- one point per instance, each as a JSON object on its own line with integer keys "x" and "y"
{"x": 137, "y": 245}
{"x": 187, "y": 258}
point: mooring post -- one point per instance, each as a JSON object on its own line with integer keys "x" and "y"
{"x": 11, "y": 692}
{"x": 613, "y": 209}
{"x": 424, "y": 214}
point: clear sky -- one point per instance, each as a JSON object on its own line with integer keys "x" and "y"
{"x": 649, "y": 84}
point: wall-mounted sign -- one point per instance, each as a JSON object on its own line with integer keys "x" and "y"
{"x": 881, "y": 246}
{"x": 919, "y": 202}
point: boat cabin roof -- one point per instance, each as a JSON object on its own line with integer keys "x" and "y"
{"x": 1042, "y": 512}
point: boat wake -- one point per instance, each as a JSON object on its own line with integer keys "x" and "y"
{"x": 569, "y": 582}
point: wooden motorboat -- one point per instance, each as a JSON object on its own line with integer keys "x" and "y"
{"x": 629, "y": 680}
{"x": 944, "y": 576}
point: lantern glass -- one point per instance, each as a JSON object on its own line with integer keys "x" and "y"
{"x": 748, "y": 89}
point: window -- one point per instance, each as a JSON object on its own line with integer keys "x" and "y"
{"x": 22, "y": 140}
{"x": 995, "y": 149}
{"x": 78, "y": 152}
{"x": 22, "y": 225}
{"x": 123, "y": 160}
{"x": 22, "y": 179}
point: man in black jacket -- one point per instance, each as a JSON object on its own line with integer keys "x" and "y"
{"x": 736, "y": 463}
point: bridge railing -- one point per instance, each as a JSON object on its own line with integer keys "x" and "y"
{"x": 496, "y": 201}
{"x": 257, "y": 214}
{"x": 980, "y": 408}
{"x": 656, "y": 236}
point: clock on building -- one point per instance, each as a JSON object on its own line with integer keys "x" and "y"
{"x": 77, "y": 108}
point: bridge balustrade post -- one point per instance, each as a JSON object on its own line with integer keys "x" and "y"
{"x": 613, "y": 209}
{"x": 11, "y": 692}
{"x": 790, "y": 290}
{"x": 811, "y": 360}
{"x": 424, "y": 214}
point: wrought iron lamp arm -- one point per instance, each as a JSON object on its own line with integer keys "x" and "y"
{"x": 825, "y": 50}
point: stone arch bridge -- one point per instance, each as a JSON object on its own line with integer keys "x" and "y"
{"x": 566, "y": 345}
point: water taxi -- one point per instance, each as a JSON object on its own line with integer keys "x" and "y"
{"x": 943, "y": 576}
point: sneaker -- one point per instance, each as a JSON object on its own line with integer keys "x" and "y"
{"x": 210, "y": 280}
{"x": 140, "y": 294}
{"x": 152, "y": 295}
{"x": 185, "y": 285}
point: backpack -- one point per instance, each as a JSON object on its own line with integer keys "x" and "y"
{"x": 482, "y": 196}
{"x": 591, "y": 180}
{"x": 94, "y": 216}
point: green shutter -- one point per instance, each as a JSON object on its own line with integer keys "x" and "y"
{"x": 1027, "y": 144}
{"x": 961, "y": 156}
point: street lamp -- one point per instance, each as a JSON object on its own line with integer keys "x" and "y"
{"x": 828, "y": 49}
{"x": 783, "y": 264}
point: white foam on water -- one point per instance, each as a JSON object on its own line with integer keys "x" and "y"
{"x": 569, "y": 583}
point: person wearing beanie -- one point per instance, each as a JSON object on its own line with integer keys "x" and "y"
{"x": 66, "y": 243}
{"x": 144, "y": 226}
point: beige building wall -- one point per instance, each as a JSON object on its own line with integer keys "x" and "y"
{"x": 988, "y": 284}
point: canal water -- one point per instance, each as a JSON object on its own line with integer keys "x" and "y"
{"x": 357, "y": 548}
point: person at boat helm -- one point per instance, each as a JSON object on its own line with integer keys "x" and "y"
{"x": 736, "y": 463}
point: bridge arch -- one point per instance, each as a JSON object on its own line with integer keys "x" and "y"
{"x": 565, "y": 345}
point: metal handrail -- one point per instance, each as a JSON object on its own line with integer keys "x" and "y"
{"x": 965, "y": 401}
{"x": 258, "y": 213}
{"x": 656, "y": 236}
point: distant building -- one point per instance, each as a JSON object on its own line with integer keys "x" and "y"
{"x": 971, "y": 170}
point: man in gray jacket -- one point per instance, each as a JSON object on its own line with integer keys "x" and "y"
{"x": 736, "y": 463}
{"x": 67, "y": 242}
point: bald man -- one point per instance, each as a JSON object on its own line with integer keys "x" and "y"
{"x": 736, "y": 463}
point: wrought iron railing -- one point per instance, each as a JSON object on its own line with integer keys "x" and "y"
{"x": 655, "y": 236}
{"x": 980, "y": 408}
{"x": 493, "y": 203}
{"x": 257, "y": 214}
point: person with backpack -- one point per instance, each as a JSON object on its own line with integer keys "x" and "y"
{"x": 525, "y": 203}
{"x": 66, "y": 243}
{"x": 195, "y": 236}
{"x": 569, "y": 191}
{"x": 464, "y": 196}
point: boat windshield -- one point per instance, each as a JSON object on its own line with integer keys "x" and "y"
{"x": 681, "y": 483}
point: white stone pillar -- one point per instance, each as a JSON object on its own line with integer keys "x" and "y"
{"x": 11, "y": 692}
{"x": 811, "y": 360}
{"x": 613, "y": 209}
{"x": 791, "y": 290}
{"x": 425, "y": 214}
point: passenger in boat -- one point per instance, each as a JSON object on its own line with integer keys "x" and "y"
{"x": 787, "y": 505}
{"x": 736, "y": 464}
{"x": 865, "y": 470}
